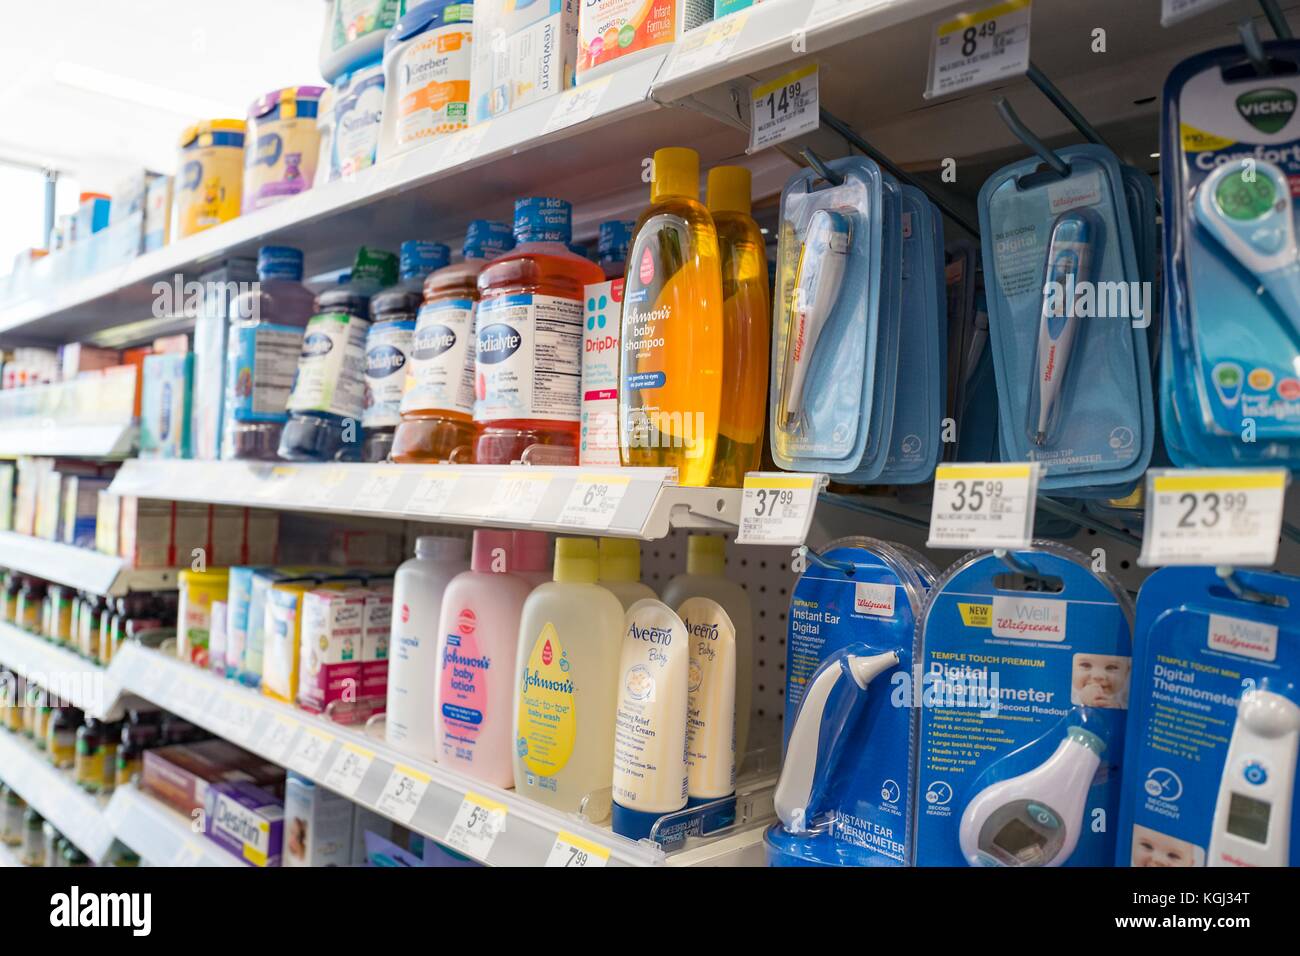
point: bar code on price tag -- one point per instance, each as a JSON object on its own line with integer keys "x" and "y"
{"x": 985, "y": 46}
{"x": 515, "y": 497}
{"x": 983, "y": 506}
{"x": 402, "y": 793}
{"x": 784, "y": 108}
{"x": 349, "y": 769}
{"x": 777, "y": 508}
{"x": 574, "y": 851}
{"x": 593, "y": 501}
{"x": 1217, "y": 516}
{"x": 478, "y": 823}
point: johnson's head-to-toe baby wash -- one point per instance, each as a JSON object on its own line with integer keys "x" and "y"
{"x": 427, "y": 59}
{"x": 620, "y": 571}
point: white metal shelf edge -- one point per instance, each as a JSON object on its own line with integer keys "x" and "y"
{"x": 75, "y": 813}
{"x": 81, "y": 441}
{"x": 315, "y": 747}
{"x": 159, "y": 834}
{"x": 60, "y": 672}
{"x": 80, "y": 568}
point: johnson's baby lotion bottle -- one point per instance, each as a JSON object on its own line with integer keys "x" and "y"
{"x": 566, "y": 676}
{"x": 477, "y": 641}
{"x": 418, "y": 588}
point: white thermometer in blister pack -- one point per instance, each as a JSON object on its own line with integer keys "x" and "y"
{"x": 823, "y": 258}
{"x": 1246, "y": 207}
{"x": 1069, "y": 259}
{"x": 1252, "y": 816}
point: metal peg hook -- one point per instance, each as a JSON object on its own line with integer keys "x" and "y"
{"x": 1068, "y": 109}
{"x": 1014, "y": 563}
{"x": 1276, "y": 20}
{"x": 1243, "y": 591}
{"x": 808, "y": 554}
{"x": 1254, "y": 47}
{"x": 1026, "y": 136}
{"x": 823, "y": 170}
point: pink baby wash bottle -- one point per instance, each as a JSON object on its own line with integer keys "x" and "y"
{"x": 532, "y": 557}
{"x": 478, "y": 634}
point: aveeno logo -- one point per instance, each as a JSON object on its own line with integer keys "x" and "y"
{"x": 705, "y": 629}
{"x": 654, "y": 635}
{"x": 1267, "y": 110}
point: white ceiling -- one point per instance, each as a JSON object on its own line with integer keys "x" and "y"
{"x": 94, "y": 88}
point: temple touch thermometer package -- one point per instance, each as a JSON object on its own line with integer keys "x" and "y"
{"x": 1214, "y": 729}
{"x": 1023, "y": 684}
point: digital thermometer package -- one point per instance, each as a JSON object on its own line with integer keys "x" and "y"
{"x": 826, "y": 323}
{"x": 1068, "y": 319}
{"x": 1022, "y": 685}
{"x": 1230, "y": 165}
{"x": 844, "y": 797}
{"x": 1214, "y": 729}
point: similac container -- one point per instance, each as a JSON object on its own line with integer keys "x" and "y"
{"x": 567, "y": 673}
{"x": 671, "y": 349}
{"x": 746, "y": 321}
{"x": 388, "y": 344}
{"x": 283, "y": 145}
{"x": 532, "y": 556}
{"x": 358, "y": 115}
{"x": 210, "y": 179}
{"x": 354, "y": 31}
{"x": 704, "y": 578}
{"x": 650, "y": 728}
{"x": 325, "y": 172}
{"x": 198, "y": 590}
{"x": 529, "y": 330}
{"x": 262, "y": 349}
{"x": 620, "y": 571}
{"x": 328, "y": 395}
{"x": 478, "y": 641}
{"x": 413, "y": 648}
{"x": 437, "y": 401}
{"x": 613, "y": 33}
{"x": 427, "y": 61}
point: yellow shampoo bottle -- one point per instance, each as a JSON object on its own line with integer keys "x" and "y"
{"x": 670, "y": 396}
{"x": 746, "y": 324}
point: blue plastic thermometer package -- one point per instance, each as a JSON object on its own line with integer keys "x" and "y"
{"x": 1068, "y": 315}
{"x": 826, "y": 320}
{"x": 1023, "y": 679}
{"x": 1215, "y": 723}
{"x": 1230, "y": 164}
{"x": 845, "y": 797}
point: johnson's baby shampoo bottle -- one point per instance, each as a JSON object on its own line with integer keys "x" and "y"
{"x": 570, "y": 639}
{"x": 746, "y": 320}
{"x": 670, "y": 392}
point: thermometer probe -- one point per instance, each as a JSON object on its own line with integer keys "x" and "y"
{"x": 1069, "y": 258}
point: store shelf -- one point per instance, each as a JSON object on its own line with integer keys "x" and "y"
{"x": 630, "y": 502}
{"x": 159, "y": 834}
{"x": 80, "y": 568}
{"x": 81, "y": 441}
{"x": 363, "y": 768}
{"x": 73, "y": 812}
{"x": 60, "y": 672}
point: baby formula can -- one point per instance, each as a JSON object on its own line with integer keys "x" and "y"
{"x": 211, "y": 175}
{"x": 284, "y": 143}
{"x": 427, "y": 62}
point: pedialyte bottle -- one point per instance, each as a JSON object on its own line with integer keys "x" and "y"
{"x": 437, "y": 404}
{"x": 711, "y": 701}
{"x": 418, "y": 589}
{"x": 620, "y": 571}
{"x": 746, "y": 322}
{"x": 567, "y": 679}
{"x": 388, "y": 344}
{"x": 529, "y": 341}
{"x": 706, "y": 577}
{"x": 328, "y": 395}
{"x": 266, "y": 329}
{"x": 478, "y": 641}
{"x": 650, "y": 727}
{"x": 670, "y": 390}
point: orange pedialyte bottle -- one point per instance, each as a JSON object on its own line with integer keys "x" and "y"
{"x": 438, "y": 394}
{"x": 529, "y": 357}
{"x": 671, "y": 361}
{"x": 746, "y": 320}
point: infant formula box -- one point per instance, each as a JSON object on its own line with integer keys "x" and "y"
{"x": 283, "y": 145}
{"x": 354, "y": 31}
{"x": 612, "y": 33}
{"x": 523, "y": 51}
{"x": 426, "y": 75}
{"x": 211, "y": 175}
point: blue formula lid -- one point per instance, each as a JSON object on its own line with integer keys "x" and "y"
{"x": 419, "y": 257}
{"x": 427, "y": 16}
{"x": 486, "y": 239}
{"x": 539, "y": 219}
{"x": 279, "y": 262}
{"x": 615, "y": 238}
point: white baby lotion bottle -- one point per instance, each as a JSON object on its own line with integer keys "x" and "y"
{"x": 705, "y": 562}
{"x": 711, "y": 704}
{"x": 413, "y": 646}
{"x": 566, "y": 678}
{"x": 650, "y": 728}
{"x": 478, "y": 639}
{"x": 620, "y": 571}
